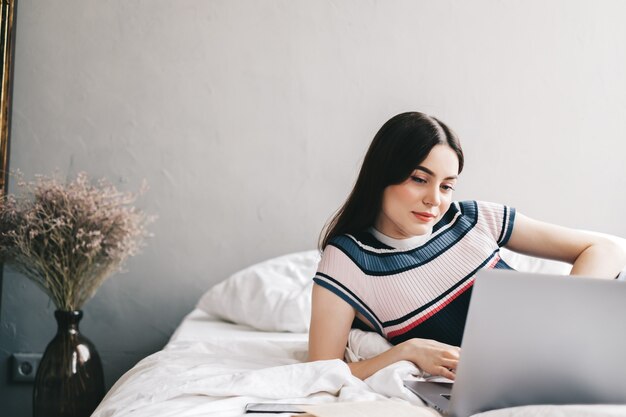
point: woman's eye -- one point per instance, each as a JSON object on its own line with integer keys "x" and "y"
{"x": 418, "y": 180}
{"x": 447, "y": 188}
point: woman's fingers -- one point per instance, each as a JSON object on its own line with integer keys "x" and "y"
{"x": 433, "y": 357}
{"x": 449, "y": 363}
{"x": 446, "y": 373}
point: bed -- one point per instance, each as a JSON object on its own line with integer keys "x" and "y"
{"x": 246, "y": 341}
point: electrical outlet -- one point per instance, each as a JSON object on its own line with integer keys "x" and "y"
{"x": 25, "y": 366}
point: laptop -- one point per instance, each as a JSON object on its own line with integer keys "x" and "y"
{"x": 536, "y": 339}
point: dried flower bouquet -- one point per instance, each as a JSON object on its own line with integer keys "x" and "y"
{"x": 68, "y": 238}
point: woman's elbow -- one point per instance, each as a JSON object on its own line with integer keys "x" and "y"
{"x": 613, "y": 254}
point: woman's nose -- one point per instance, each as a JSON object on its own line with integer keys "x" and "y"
{"x": 433, "y": 197}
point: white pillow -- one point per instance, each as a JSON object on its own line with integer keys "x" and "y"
{"x": 274, "y": 295}
{"x": 525, "y": 263}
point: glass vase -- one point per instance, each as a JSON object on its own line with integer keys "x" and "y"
{"x": 69, "y": 381}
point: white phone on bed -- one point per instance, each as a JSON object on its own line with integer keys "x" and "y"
{"x": 273, "y": 408}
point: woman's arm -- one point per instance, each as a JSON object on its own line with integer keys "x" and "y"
{"x": 591, "y": 255}
{"x": 331, "y": 320}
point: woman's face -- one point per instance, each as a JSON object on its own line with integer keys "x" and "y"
{"x": 412, "y": 207}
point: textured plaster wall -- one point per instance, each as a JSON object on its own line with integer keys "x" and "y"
{"x": 249, "y": 120}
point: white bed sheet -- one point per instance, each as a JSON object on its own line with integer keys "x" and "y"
{"x": 198, "y": 326}
{"x": 213, "y": 368}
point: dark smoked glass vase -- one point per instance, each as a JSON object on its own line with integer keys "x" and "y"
{"x": 69, "y": 381}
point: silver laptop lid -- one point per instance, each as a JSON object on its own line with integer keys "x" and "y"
{"x": 541, "y": 339}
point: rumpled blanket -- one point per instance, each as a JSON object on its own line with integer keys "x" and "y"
{"x": 219, "y": 377}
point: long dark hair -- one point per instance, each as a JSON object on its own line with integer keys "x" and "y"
{"x": 397, "y": 149}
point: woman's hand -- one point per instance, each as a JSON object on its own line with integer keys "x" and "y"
{"x": 431, "y": 356}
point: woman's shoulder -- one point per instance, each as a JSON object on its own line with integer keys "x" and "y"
{"x": 338, "y": 254}
{"x": 494, "y": 219}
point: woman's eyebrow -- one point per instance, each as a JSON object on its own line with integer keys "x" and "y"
{"x": 429, "y": 172}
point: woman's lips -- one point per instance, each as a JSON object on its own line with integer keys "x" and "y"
{"x": 426, "y": 217}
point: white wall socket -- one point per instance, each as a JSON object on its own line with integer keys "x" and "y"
{"x": 25, "y": 366}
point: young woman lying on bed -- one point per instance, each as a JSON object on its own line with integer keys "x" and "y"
{"x": 399, "y": 257}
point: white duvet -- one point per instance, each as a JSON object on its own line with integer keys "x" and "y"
{"x": 220, "y": 376}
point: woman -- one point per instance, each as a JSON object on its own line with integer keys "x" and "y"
{"x": 400, "y": 255}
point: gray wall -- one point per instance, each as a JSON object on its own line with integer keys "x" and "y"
{"x": 249, "y": 120}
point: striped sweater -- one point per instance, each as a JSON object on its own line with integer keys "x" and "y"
{"x": 424, "y": 291}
